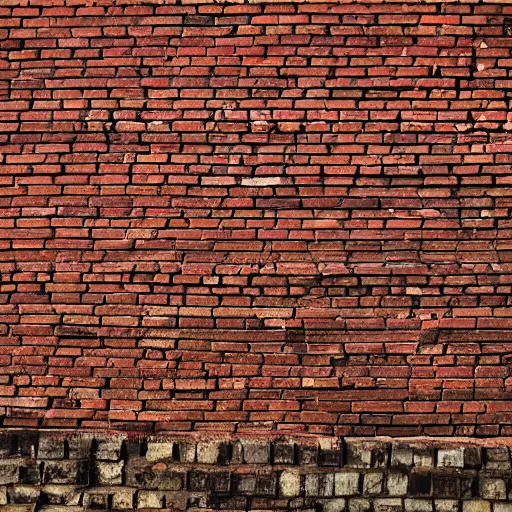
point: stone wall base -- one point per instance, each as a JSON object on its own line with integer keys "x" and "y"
{"x": 64, "y": 471}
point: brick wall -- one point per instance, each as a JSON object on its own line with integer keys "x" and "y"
{"x": 241, "y": 217}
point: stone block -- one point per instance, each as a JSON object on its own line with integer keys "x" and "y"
{"x": 198, "y": 481}
{"x": 6, "y": 444}
{"x": 246, "y": 484}
{"x": 420, "y": 484}
{"x": 446, "y": 486}
{"x": 476, "y": 506}
{"x": 308, "y": 455}
{"x": 123, "y": 499}
{"x": 283, "y": 453}
{"x": 359, "y": 505}
{"x": 256, "y": 452}
{"x": 67, "y": 494}
{"x": 266, "y": 484}
{"x": 96, "y": 499}
{"x": 498, "y": 458}
{"x": 60, "y": 472}
{"x": 346, "y": 484}
{"x": 177, "y": 500}
{"x": 467, "y": 486}
{"x": 187, "y": 452}
{"x": 159, "y": 451}
{"x": 451, "y": 457}
{"x": 380, "y": 455}
{"x": 402, "y": 456}
{"x": 110, "y": 473}
{"x": 333, "y": 505}
{"x": 397, "y": 483}
{"x": 20, "y": 494}
{"x": 372, "y": 483}
{"x": 423, "y": 457}
{"x": 208, "y": 452}
{"x": 220, "y": 482}
{"x": 109, "y": 448}
{"x": 444, "y": 505}
{"x": 472, "y": 457}
{"x": 320, "y": 484}
{"x": 289, "y": 484}
{"x": 502, "y": 507}
{"x": 149, "y": 499}
{"x": 24, "y": 443}
{"x": 80, "y": 446}
{"x": 50, "y": 446}
{"x": 388, "y": 505}
{"x": 493, "y": 488}
{"x": 329, "y": 458}
{"x": 359, "y": 455}
{"x": 30, "y": 472}
{"x": 418, "y": 505}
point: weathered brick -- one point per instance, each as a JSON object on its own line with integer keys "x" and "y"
{"x": 289, "y": 217}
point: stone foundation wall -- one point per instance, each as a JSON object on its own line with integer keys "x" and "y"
{"x": 68, "y": 471}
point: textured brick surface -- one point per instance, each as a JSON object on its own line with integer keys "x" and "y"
{"x": 65, "y": 472}
{"x": 256, "y": 216}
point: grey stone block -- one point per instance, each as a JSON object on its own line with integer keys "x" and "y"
{"x": 80, "y": 446}
{"x": 109, "y": 448}
{"x": 283, "y": 453}
{"x": 372, "y": 483}
{"x": 397, "y": 483}
{"x": 149, "y": 499}
{"x": 110, "y": 473}
{"x": 359, "y": 455}
{"x": 446, "y": 505}
{"x": 388, "y": 505}
{"x": 266, "y": 484}
{"x": 122, "y": 499}
{"x": 359, "y": 505}
{"x": 19, "y": 494}
{"x": 418, "y": 505}
{"x": 256, "y": 452}
{"x": 446, "y": 485}
{"x": 493, "y": 488}
{"x": 476, "y": 506}
{"x": 50, "y": 446}
{"x": 346, "y": 483}
{"x": 159, "y": 451}
{"x": 401, "y": 456}
{"x": 60, "y": 472}
{"x": 423, "y": 457}
{"x": 502, "y": 507}
{"x": 451, "y": 457}
{"x": 289, "y": 484}
{"x": 333, "y": 505}
{"x": 208, "y": 452}
{"x": 498, "y": 458}
{"x": 308, "y": 455}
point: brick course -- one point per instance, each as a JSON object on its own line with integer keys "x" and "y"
{"x": 241, "y": 217}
